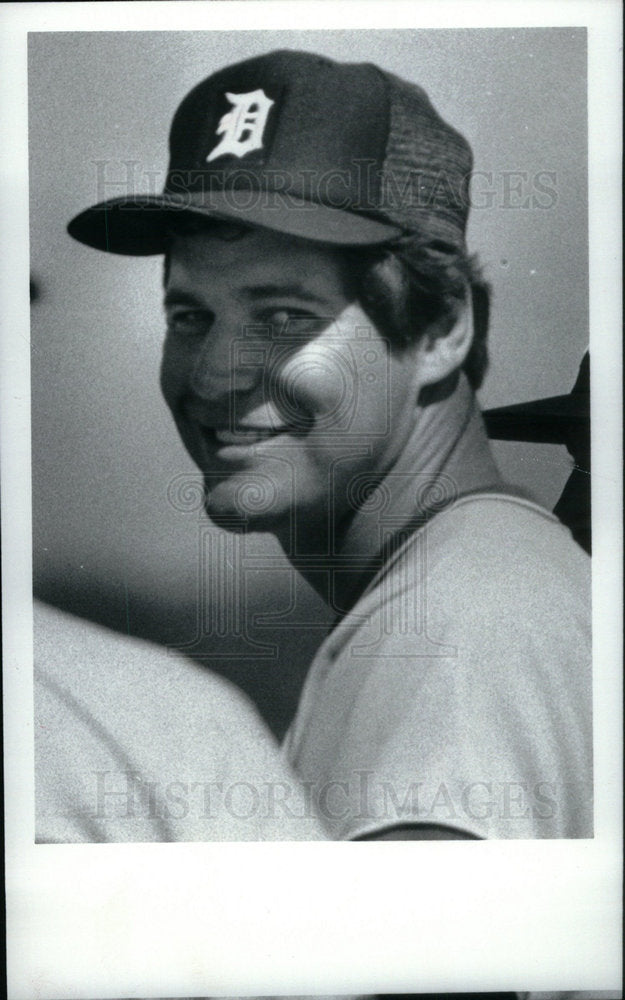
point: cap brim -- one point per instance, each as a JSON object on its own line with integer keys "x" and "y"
{"x": 141, "y": 225}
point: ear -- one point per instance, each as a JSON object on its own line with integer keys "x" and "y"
{"x": 443, "y": 350}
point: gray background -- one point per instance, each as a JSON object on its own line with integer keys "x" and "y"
{"x": 108, "y": 543}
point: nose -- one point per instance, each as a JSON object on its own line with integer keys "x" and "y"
{"x": 222, "y": 366}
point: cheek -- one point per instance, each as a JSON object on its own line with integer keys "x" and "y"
{"x": 320, "y": 380}
{"x": 174, "y": 371}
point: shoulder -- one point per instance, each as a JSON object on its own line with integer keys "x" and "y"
{"x": 485, "y": 521}
{"x": 136, "y": 742}
{"x": 500, "y": 549}
{"x": 492, "y": 570}
{"x": 123, "y": 679}
{"x": 463, "y": 672}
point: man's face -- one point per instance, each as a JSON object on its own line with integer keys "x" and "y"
{"x": 283, "y": 391}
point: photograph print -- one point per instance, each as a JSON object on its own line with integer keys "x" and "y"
{"x": 311, "y": 435}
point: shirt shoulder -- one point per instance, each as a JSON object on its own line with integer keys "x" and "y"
{"x": 490, "y": 536}
{"x": 466, "y": 665}
{"x": 134, "y": 742}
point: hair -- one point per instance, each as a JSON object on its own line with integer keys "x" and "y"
{"x": 408, "y": 287}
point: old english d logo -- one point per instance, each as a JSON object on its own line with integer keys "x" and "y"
{"x": 243, "y": 127}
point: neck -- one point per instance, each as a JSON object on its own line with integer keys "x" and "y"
{"x": 446, "y": 455}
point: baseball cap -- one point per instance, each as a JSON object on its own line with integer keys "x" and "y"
{"x": 339, "y": 153}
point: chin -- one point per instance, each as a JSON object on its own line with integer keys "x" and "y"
{"x": 240, "y": 507}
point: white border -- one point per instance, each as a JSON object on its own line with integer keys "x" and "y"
{"x": 166, "y": 920}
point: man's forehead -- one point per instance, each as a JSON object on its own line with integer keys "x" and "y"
{"x": 255, "y": 259}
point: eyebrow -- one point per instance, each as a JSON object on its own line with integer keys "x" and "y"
{"x": 290, "y": 290}
{"x": 179, "y": 297}
{"x": 175, "y": 297}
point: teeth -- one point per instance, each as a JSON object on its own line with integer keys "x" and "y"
{"x": 244, "y": 436}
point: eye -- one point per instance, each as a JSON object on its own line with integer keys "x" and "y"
{"x": 293, "y": 323}
{"x": 189, "y": 323}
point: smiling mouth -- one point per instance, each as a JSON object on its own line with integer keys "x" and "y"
{"x": 245, "y": 435}
{"x": 242, "y": 437}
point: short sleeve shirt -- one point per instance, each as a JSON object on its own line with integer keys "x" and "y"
{"x": 457, "y": 691}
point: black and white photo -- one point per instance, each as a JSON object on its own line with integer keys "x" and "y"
{"x": 326, "y": 336}
{"x": 309, "y": 551}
